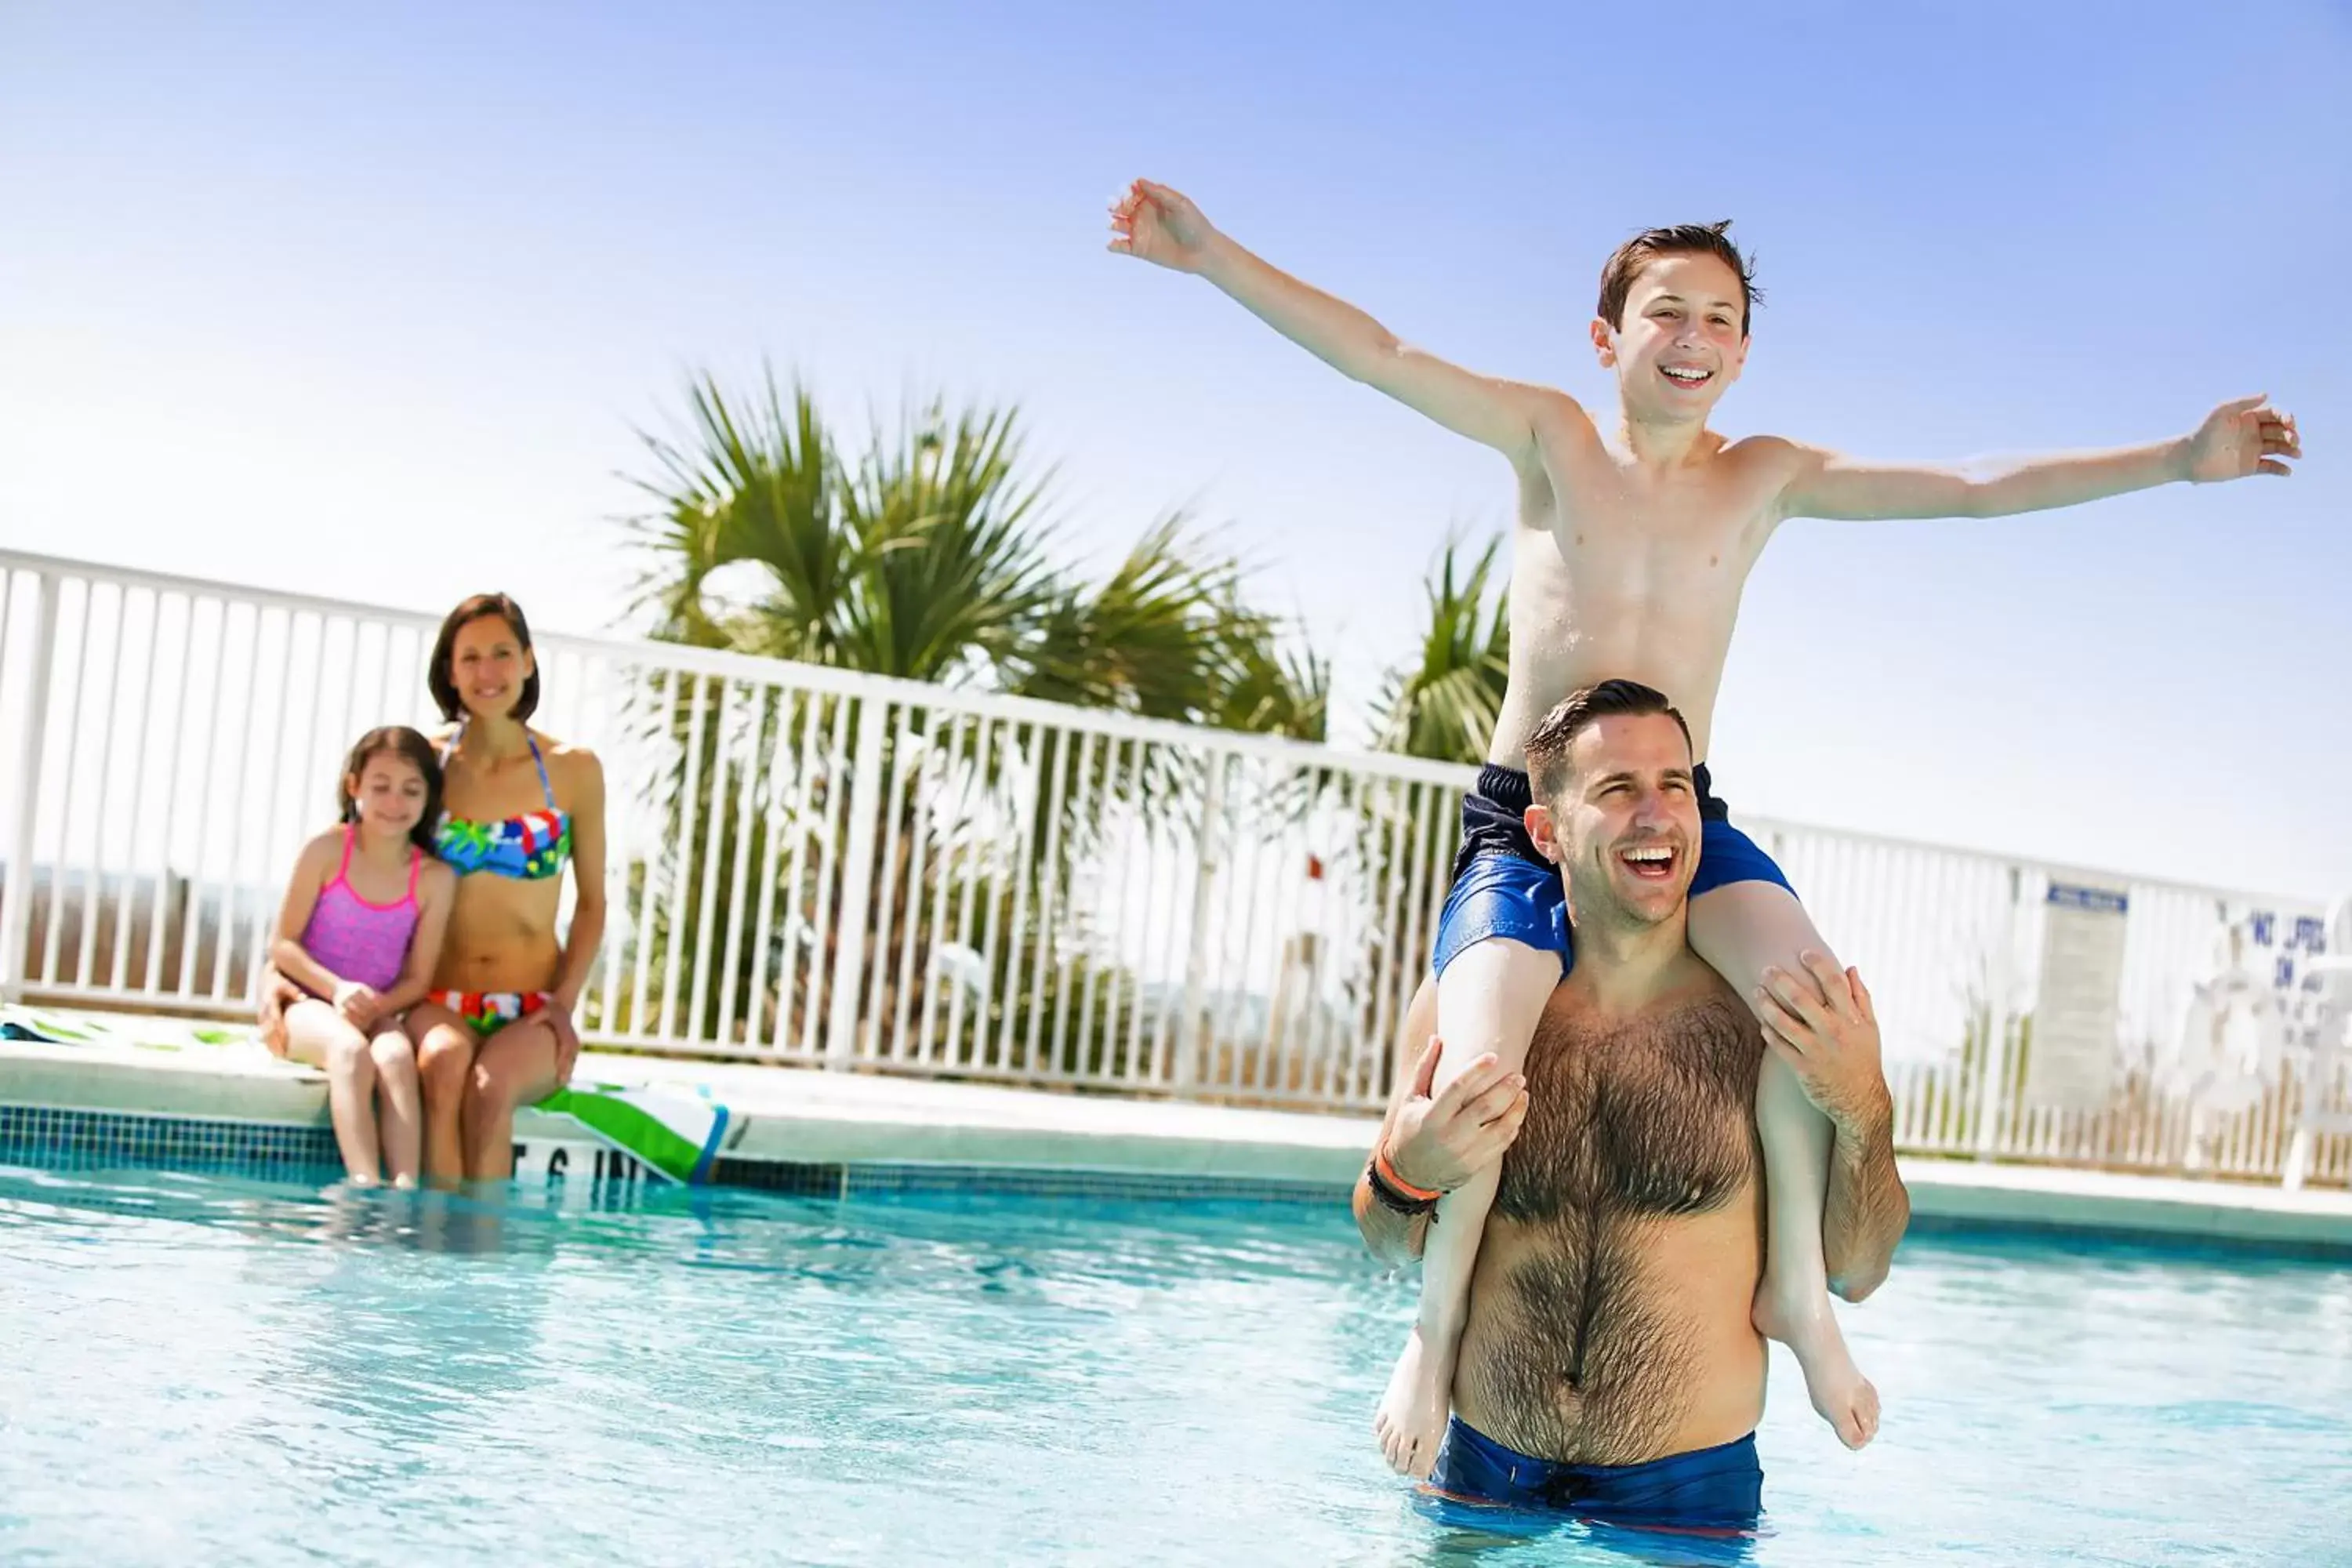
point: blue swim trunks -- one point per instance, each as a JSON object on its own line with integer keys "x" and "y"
{"x": 1718, "y": 1490}
{"x": 1503, "y": 887}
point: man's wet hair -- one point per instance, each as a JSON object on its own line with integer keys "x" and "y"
{"x": 1548, "y": 770}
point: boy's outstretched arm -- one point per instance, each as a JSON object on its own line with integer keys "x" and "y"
{"x": 2240, "y": 437}
{"x": 1156, "y": 224}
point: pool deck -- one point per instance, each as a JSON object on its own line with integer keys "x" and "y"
{"x": 805, "y": 1118}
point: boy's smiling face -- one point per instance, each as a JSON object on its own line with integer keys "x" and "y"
{"x": 1684, "y": 338}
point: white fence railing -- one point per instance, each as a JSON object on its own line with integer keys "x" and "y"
{"x": 817, "y": 867}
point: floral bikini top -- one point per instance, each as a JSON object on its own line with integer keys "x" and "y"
{"x": 532, "y": 847}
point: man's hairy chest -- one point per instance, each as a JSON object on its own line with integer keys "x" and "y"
{"x": 1648, "y": 1119}
{"x": 1582, "y": 1347}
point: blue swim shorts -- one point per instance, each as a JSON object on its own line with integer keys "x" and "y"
{"x": 1718, "y": 1490}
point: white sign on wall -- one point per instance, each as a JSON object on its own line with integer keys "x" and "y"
{"x": 2073, "y": 1063}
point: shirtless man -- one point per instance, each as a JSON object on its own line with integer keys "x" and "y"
{"x": 1609, "y": 1364}
{"x": 1629, "y": 559}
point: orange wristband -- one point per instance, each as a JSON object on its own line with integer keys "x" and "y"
{"x": 1388, "y": 1174}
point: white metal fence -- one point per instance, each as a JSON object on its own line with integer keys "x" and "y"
{"x": 821, "y": 868}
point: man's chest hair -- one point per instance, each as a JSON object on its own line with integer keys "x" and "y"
{"x": 1654, "y": 1117}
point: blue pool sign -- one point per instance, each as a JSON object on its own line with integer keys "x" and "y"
{"x": 2304, "y": 935}
{"x": 2095, "y": 900}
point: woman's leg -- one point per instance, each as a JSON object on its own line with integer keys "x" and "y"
{"x": 318, "y": 1034}
{"x": 514, "y": 1068}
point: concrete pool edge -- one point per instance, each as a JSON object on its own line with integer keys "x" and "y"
{"x": 798, "y": 1129}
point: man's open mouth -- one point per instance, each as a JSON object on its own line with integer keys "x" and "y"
{"x": 1686, "y": 374}
{"x": 1651, "y": 862}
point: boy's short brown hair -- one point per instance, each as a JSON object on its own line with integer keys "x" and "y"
{"x": 1625, "y": 264}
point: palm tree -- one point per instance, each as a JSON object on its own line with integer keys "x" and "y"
{"x": 927, "y": 556}
{"x": 1444, "y": 707}
{"x": 1167, "y": 636}
{"x": 929, "y": 560}
{"x": 923, "y": 558}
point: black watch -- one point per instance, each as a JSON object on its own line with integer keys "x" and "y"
{"x": 1391, "y": 1199}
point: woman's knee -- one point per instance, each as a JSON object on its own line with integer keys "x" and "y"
{"x": 444, "y": 1060}
{"x": 491, "y": 1087}
{"x": 513, "y": 1070}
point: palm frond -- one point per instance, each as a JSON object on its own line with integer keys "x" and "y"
{"x": 1443, "y": 706}
{"x": 928, "y": 556}
{"x": 952, "y": 544}
{"x": 754, "y": 485}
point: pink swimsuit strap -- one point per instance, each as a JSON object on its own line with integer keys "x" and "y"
{"x": 342, "y": 877}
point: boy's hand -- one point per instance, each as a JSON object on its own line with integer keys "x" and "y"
{"x": 1155, "y": 223}
{"x": 2240, "y": 437}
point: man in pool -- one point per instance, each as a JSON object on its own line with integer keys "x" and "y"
{"x": 1633, "y": 544}
{"x": 1610, "y": 1367}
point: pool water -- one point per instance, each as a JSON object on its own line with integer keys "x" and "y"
{"x": 212, "y": 1370}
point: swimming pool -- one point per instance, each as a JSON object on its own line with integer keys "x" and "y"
{"x": 211, "y": 1369}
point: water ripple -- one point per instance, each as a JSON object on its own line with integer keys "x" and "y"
{"x": 280, "y": 1375}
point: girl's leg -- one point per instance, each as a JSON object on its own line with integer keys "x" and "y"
{"x": 399, "y": 1105}
{"x": 446, "y": 1045}
{"x": 514, "y": 1068}
{"x": 1488, "y": 1000}
{"x": 318, "y": 1034}
{"x": 1741, "y": 930}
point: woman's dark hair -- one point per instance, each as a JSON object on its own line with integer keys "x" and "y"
{"x": 404, "y": 742}
{"x": 441, "y": 680}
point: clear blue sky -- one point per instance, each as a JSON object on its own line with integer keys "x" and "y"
{"x": 371, "y": 303}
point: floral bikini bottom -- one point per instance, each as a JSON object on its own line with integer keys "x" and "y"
{"x": 489, "y": 1011}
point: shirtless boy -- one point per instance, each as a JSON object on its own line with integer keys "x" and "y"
{"x": 1632, "y": 550}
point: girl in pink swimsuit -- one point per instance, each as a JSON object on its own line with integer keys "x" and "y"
{"x": 358, "y": 932}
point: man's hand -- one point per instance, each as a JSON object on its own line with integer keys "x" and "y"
{"x": 1822, "y": 1024}
{"x": 1438, "y": 1144}
{"x": 2240, "y": 437}
{"x": 1155, "y": 223}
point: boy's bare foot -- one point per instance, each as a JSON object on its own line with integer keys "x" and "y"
{"x": 1841, "y": 1394}
{"x": 1412, "y": 1417}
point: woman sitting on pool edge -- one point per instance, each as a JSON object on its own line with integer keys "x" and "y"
{"x": 496, "y": 1032}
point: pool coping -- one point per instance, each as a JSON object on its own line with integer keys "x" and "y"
{"x": 811, "y": 1130}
